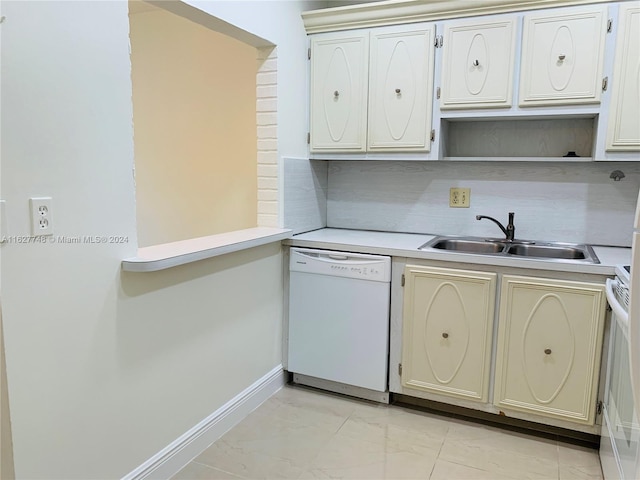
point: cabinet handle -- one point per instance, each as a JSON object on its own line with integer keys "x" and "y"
{"x": 476, "y": 63}
{"x": 445, "y": 335}
{"x": 398, "y": 91}
{"x": 547, "y": 351}
{"x": 336, "y": 94}
{"x": 561, "y": 57}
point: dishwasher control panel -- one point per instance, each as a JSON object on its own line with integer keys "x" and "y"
{"x": 341, "y": 264}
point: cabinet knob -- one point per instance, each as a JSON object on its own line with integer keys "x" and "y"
{"x": 336, "y": 94}
{"x": 547, "y": 351}
{"x": 476, "y": 63}
{"x": 398, "y": 91}
{"x": 445, "y": 335}
{"x": 561, "y": 57}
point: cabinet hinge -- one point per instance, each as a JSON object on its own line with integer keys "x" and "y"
{"x": 599, "y": 408}
{"x": 438, "y": 92}
{"x": 309, "y": 53}
{"x": 308, "y": 138}
{"x": 433, "y": 135}
{"x": 609, "y": 25}
{"x": 400, "y": 369}
{"x": 605, "y": 83}
{"x": 609, "y": 309}
{"x": 402, "y": 281}
{"x": 438, "y": 41}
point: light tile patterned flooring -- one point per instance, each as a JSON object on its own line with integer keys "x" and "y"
{"x": 306, "y": 434}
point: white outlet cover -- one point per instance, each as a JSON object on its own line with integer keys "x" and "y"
{"x": 41, "y": 216}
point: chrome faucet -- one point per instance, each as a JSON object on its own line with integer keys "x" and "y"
{"x": 509, "y": 230}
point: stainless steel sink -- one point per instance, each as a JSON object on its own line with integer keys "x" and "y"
{"x": 468, "y": 245}
{"x": 572, "y": 253}
{"x": 554, "y": 251}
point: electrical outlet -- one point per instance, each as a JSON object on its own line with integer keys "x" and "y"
{"x": 459, "y": 197}
{"x": 41, "y": 216}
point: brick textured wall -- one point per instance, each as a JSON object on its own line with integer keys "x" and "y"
{"x": 267, "y": 123}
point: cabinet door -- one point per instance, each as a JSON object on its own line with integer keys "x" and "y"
{"x": 448, "y": 318}
{"x": 562, "y": 57}
{"x": 400, "y": 88}
{"x": 478, "y": 65}
{"x": 339, "y": 69}
{"x": 624, "y": 120}
{"x": 549, "y": 346}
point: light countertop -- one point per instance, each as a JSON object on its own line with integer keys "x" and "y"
{"x": 168, "y": 255}
{"x": 407, "y": 245}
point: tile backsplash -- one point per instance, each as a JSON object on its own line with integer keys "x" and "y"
{"x": 559, "y": 201}
{"x": 304, "y": 194}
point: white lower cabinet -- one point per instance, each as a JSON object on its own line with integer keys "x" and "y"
{"x": 447, "y": 330}
{"x": 549, "y": 347}
{"x": 529, "y": 348}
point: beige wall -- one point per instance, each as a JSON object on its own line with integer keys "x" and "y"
{"x": 106, "y": 368}
{"x": 194, "y": 100}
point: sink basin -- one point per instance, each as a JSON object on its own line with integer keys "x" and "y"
{"x": 567, "y": 252}
{"x": 470, "y": 246}
{"x": 553, "y": 251}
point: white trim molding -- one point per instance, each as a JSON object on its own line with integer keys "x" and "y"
{"x": 171, "y": 459}
{"x": 394, "y": 12}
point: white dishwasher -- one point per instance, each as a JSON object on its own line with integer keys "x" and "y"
{"x": 339, "y": 318}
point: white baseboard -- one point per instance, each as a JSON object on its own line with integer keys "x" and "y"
{"x": 170, "y": 460}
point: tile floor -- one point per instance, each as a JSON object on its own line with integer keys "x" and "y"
{"x": 306, "y": 434}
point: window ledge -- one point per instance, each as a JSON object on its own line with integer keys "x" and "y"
{"x": 167, "y": 255}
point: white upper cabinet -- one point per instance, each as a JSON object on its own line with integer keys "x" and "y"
{"x": 624, "y": 120}
{"x": 562, "y": 56}
{"x": 339, "y": 75}
{"x": 478, "y": 62}
{"x": 500, "y": 66}
{"x": 372, "y": 90}
{"x": 400, "y": 88}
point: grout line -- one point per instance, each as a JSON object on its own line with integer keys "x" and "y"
{"x": 218, "y": 469}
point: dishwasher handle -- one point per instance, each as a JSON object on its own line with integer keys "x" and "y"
{"x": 375, "y": 268}
{"x": 339, "y": 257}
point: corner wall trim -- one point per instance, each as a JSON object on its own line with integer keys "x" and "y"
{"x": 171, "y": 459}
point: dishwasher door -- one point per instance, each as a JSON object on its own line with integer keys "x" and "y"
{"x": 339, "y": 317}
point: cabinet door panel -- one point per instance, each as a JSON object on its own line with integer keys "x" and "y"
{"x": 624, "y": 120}
{"x": 545, "y": 375}
{"x": 549, "y": 345}
{"x": 448, "y": 316}
{"x": 478, "y": 65}
{"x": 400, "y": 88}
{"x": 562, "y": 57}
{"x": 339, "y": 67}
